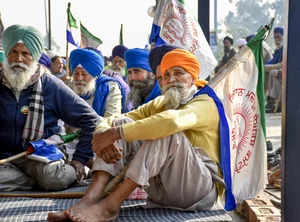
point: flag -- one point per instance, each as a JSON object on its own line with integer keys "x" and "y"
{"x": 73, "y": 32}
{"x": 46, "y": 150}
{"x": 1, "y": 32}
{"x": 173, "y": 24}
{"x": 88, "y": 39}
{"x": 121, "y": 42}
{"x": 240, "y": 87}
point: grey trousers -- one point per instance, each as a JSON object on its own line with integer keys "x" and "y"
{"x": 274, "y": 85}
{"x": 24, "y": 174}
{"x": 173, "y": 173}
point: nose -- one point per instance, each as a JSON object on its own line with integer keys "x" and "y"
{"x": 19, "y": 57}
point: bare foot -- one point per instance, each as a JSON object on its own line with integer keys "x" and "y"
{"x": 62, "y": 216}
{"x": 102, "y": 211}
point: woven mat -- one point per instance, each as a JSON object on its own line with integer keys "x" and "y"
{"x": 36, "y": 209}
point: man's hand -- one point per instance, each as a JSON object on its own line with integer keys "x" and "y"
{"x": 112, "y": 153}
{"x": 79, "y": 169}
{"x": 104, "y": 139}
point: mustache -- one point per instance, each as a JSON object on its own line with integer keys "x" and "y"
{"x": 19, "y": 65}
{"x": 81, "y": 82}
{"x": 177, "y": 85}
{"x": 136, "y": 83}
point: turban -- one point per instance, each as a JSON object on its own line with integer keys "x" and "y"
{"x": 91, "y": 61}
{"x": 2, "y": 57}
{"x": 29, "y": 35}
{"x": 249, "y": 37}
{"x": 279, "y": 30}
{"x": 137, "y": 58}
{"x": 241, "y": 42}
{"x": 229, "y": 39}
{"x": 45, "y": 60}
{"x": 157, "y": 53}
{"x": 119, "y": 50}
{"x": 185, "y": 60}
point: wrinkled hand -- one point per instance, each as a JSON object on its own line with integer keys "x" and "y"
{"x": 104, "y": 139}
{"x": 112, "y": 153}
{"x": 79, "y": 169}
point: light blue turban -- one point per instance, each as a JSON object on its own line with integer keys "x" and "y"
{"x": 137, "y": 58}
{"x": 2, "y": 57}
{"x": 29, "y": 35}
{"x": 91, "y": 61}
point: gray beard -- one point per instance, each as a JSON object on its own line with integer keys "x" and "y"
{"x": 139, "y": 91}
{"x": 17, "y": 78}
{"x": 174, "y": 95}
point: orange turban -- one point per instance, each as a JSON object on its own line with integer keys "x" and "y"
{"x": 184, "y": 59}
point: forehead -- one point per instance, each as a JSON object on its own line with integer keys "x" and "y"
{"x": 226, "y": 41}
{"x": 80, "y": 69}
{"x": 20, "y": 47}
{"x": 118, "y": 58}
{"x": 277, "y": 35}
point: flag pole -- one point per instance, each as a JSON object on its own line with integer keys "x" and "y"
{"x": 67, "y": 59}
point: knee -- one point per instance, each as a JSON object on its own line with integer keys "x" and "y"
{"x": 57, "y": 177}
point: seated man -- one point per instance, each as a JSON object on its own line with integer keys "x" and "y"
{"x": 142, "y": 81}
{"x": 118, "y": 60}
{"x": 172, "y": 145}
{"x": 273, "y": 72}
{"x": 31, "y": 104}
{"x": 101, "y": 92}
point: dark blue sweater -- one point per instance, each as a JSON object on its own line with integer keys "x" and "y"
{"x": 60, "y": 102}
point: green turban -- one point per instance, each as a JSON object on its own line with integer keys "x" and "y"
{"x": 2, "y": 57}
{"x": 29, "y": 35}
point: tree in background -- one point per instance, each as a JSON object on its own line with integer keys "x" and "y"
{"x": 247, "y": 17}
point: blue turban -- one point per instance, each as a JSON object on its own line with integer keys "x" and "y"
{"x": 119, "y": 50}
{"x": 45, "y": 60}
{"x": 2, "y": 56}
{"x": 279, "y": 30}
{"x": 138, "y": 58}
{"x": 249, "y": 37}
{"x": 157, "y": 53}
{"x": 91, "y": 61}
{"x": 29, "y": 35}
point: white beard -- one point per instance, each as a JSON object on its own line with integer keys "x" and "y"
{"x": 17, "y": 77}
{"x": 85, "y": 88}
{"x": 119, "y": 70}
{"x": 173, "y": 95}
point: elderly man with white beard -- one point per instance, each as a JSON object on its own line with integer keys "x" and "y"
{"x": 118, "y": 60}
{"x": 31, "y": 104}
{"x": 172, "y": 144}
{"x": 103, "y": 93}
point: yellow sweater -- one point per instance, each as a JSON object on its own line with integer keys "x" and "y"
{"x": 198, "y": 119}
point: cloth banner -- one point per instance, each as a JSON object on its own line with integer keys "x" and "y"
{"x": 242, "y": 95}
{"x": 174, "y": 24}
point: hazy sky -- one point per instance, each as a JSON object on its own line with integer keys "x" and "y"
{"x": 101, "y": 18}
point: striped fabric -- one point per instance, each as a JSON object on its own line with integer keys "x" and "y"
{"x": 36, "y": 209}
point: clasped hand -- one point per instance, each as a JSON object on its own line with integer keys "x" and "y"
{"x": 105, "y": 146}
